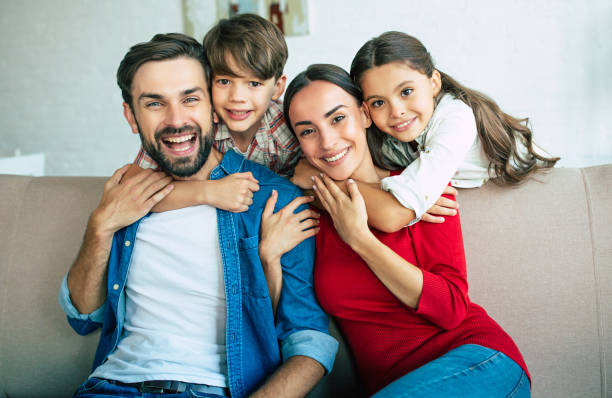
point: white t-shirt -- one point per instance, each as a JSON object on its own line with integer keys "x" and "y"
{"x": 175, "y": 303}
{"x": 449, "y": 151}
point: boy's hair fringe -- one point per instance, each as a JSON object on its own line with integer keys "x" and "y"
{"x": 254, "y": 43}
{"x": 501, "y": 134}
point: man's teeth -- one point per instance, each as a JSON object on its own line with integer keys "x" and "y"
{"x": 336, "y": 157}
{"x": 178, "y": 140}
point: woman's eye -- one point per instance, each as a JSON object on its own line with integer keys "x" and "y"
{"x": 406, "y": 92}
{"x": 254, "y": 84}
{"x": 306, "y": 132}
{"x": 337, "y": 119}
{"x": 377, "y": 103}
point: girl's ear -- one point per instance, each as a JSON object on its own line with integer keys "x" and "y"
{"x": 367, "y": 120}
{"x": 215, "y": 118}
{"x": 436, "y": 82}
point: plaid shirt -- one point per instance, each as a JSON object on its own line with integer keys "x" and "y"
{"x": 273, "y": 146}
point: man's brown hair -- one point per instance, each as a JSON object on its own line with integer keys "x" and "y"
{"x": 161, "y": 47}
{"x": 254, "y": 43}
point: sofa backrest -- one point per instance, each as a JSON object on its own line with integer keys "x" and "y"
{"x": 539, "y": 261}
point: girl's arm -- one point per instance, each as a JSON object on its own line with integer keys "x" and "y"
{"x": 233, "y": 193}
{"x": 385, "y": 213}
{"x": 451, "y": 135}
{"x": 437, "y": 290}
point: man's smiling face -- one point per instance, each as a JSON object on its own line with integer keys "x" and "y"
{"x": 172, "y": 114}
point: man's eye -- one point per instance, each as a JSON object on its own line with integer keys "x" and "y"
{"x": 254, "y": 84}
{"x": 406, "y": 92}
{"x": 377, "y": 103}
{"x": 153, "y": 104}
{"x": 337, "y": 119}
{"x": 191, "y": 100}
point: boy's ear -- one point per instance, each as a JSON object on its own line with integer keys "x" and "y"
{"x": 279, "y": 87}
{"x": 367, "y": 120}
{"x": 129, "y": 116}
{"x": 436, "y": 82}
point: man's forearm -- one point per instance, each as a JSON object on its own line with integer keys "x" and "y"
{"x": 295, "y": 378}
{"x": 87, "y": 276}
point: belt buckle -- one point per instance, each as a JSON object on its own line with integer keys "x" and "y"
{"x": 145, "y": 387}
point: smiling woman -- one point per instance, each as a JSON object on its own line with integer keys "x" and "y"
{"x": 409, "y": 286}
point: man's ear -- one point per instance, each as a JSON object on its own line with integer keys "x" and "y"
{"x": 129, "y": 116}
{"x": 436, "y": 82}
{"x": 367, "y": 120}
{"x": 279, "y": 87}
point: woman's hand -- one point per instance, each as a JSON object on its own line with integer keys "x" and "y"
{"x": 280, "y": 232}
{"x": 348, "y": 212}
{"x": 302, "y": 176}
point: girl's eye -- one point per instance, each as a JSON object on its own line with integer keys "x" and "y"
{"x": 223, "y": 82}
{"x": 254, "y": 84}
{"x": 306, "y": 132}
{"x": 406, "y": 92}
{"x": 377, "y": 103}
{"x": 337, "y": 119}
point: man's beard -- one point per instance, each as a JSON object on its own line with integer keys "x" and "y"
{"x": 181, "y": 167}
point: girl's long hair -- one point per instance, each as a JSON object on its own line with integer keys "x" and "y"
{"x": 503, "y": 136}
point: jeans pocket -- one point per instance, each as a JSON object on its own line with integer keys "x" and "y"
{"x": 90, "y": 385}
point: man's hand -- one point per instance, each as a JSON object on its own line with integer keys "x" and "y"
{"x": 233, "y": 193}
{"x": 126, "y": 200}
{"x": 442, "y": 207}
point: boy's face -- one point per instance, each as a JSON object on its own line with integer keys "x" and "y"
{"x": 241, "y": 101}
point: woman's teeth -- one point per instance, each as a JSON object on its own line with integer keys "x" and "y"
{"x": 336, "y": 157}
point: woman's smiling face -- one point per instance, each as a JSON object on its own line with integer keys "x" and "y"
{"x": 330, "y": 125}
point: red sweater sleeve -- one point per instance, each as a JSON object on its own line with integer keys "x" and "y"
{"x": 441, "y": 257}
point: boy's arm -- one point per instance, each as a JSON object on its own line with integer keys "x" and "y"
{"x": 232, "y": 193}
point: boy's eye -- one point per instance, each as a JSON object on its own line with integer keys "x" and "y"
{"x": 406, "y": 92}
{"x": 337, "y": 119}
{"x": 254, "y": 84}
{"x": 223, "y": 82}
{"x": 377, "y": 103}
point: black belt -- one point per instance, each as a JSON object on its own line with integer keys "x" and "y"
{"x": 170, "y": 386}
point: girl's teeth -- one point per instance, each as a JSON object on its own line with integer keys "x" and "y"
{"x": 338, "y": 156}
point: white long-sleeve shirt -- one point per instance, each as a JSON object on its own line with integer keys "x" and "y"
{"x": 449, "y": 150}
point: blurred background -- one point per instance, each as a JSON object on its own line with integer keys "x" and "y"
{"x": 61, "y": 107}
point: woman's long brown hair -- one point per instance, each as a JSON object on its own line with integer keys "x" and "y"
{"x": 502, "y": 136}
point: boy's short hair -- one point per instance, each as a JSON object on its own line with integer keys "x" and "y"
{"x": 254, "y": 43}
{"x": 161, "y": 47}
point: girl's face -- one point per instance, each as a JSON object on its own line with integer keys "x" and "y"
{"x": 330, "y": 126}
{"x": 400, "y": 99}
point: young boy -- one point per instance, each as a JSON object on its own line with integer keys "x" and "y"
{"x": 247, "y": 55}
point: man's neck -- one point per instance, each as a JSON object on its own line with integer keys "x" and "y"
{"x": 214, "y": 158}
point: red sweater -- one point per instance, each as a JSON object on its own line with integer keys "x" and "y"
{"x": 389, "y": 339}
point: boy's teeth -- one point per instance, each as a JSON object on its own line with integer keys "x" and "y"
{"x": 336, "y": 157}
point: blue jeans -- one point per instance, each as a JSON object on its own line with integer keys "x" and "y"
{"x": 467, "y": 371}
{"x": 99, "y": 388}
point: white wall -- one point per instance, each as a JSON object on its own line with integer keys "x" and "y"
{"x": 550, "y": 61}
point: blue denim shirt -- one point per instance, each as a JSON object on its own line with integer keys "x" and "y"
{"x": 252, "y": 335}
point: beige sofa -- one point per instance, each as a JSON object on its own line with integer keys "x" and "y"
{"x": 539, "y": 260}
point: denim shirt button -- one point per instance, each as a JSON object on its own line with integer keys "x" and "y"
{"x": 127, "y": 243}
{"x": 116, "y": 286}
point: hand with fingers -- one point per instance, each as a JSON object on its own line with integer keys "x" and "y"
{"x": 348, "y": 212}
{"x": 443, "y": 207}
{"x": 280, "y": 232}
{"x": 234, "y": 192}
{"x": 125, "y": 200}
{"x": 302, "y": 176}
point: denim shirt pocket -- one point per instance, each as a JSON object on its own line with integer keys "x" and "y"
{"x": 253, "y": 279}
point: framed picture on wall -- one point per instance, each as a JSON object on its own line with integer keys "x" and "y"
{"x": 291, "y": 16}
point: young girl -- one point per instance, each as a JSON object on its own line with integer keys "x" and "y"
{"x": 400, "y": 299}
{"x": 437, "y": 129}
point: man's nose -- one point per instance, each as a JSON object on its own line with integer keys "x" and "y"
{"x": 176, "y": 116}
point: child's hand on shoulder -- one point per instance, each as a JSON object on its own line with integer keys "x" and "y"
{"x": 235, "y": 192}
{"x": 304, "y": 171}
{"x": 443, "y": 207}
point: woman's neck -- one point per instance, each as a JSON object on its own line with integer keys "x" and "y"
{"x": 368, "y": 172}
